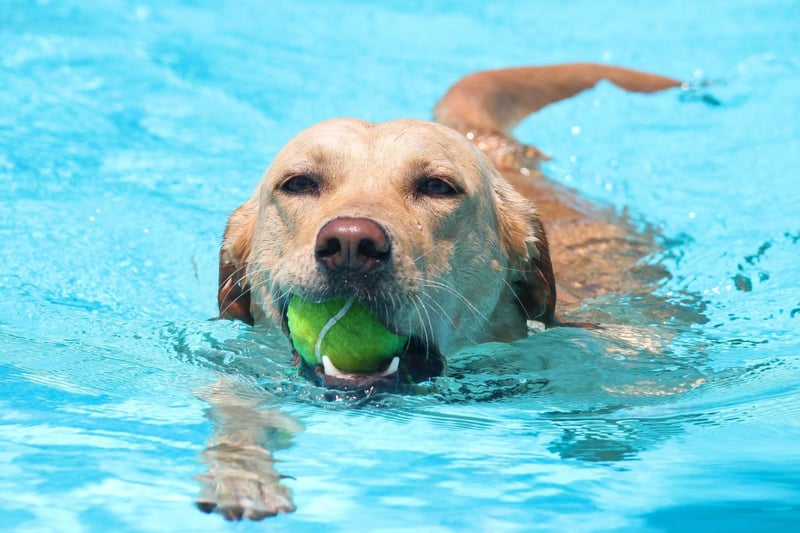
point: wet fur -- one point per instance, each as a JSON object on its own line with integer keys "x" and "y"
{"x": 464, "y": 270}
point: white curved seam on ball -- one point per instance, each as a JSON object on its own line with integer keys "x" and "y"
{"x": 329, "y": 324}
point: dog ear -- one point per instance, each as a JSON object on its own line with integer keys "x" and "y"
{"x": 233, "y": 297}
{"x": 525, "y": 241}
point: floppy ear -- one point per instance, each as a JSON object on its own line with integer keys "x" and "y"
{"x": 524, "y": 240}
{"x": 233, "y": 297}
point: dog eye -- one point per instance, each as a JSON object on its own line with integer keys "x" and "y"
{"x": 300, "y": 184}
{"x": 431, "y": 186}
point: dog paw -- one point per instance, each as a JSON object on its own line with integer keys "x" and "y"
{"x": 241, "y": 484}
{"x": 236, "y": 498}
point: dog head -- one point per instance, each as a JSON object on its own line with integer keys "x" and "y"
{"x": 408, "y": 217}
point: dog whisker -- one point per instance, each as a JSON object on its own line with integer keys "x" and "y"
{"x": 426, "y": 336}
{"x": 435, "y": 284}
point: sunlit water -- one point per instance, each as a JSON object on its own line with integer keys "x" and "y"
{"x": 128, "y": 132}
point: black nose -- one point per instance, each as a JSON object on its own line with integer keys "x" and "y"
{"x": 355, "y": 244}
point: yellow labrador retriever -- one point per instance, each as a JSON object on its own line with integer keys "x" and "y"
{"x": 445, "y": 230}
{"x": 448, "y": 246}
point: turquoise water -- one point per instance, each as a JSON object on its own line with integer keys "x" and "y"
{"x": 129, "y": 131}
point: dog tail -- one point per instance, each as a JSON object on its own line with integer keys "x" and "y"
{"x": 495, "y": 101}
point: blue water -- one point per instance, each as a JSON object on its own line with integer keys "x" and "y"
{"x": 130, "y": 130}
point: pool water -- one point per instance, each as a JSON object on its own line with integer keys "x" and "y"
{"x": 130, "y": 130}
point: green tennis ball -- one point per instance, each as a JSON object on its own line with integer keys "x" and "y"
{"x": 344, "y": 330}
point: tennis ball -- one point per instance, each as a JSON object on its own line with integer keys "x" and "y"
{"x": 344, "y": 330}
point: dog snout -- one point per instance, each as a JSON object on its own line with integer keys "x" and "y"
{"x": 352, "y": 244}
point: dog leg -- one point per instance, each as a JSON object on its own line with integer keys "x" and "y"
{"x": 241, "y": 481}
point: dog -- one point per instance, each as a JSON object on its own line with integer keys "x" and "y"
{"x": 446, "y": 230}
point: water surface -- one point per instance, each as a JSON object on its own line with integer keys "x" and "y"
{"x": 129, "y": 131}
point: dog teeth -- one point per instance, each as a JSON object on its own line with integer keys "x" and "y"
{"x": 393, "y": 366}
{"x": 331, "y": 370}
